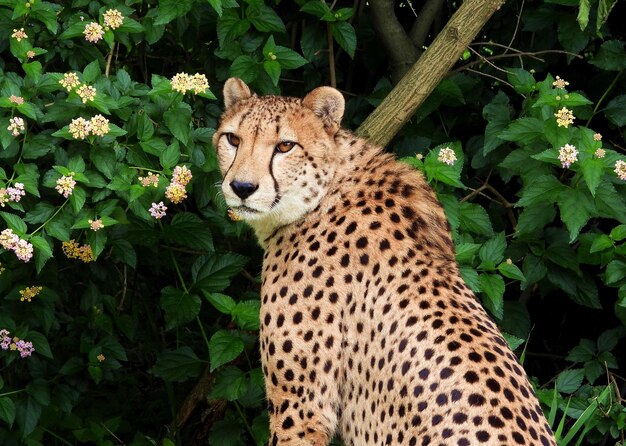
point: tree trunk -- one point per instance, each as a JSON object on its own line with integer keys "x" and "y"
{"x": 398, "y": 107}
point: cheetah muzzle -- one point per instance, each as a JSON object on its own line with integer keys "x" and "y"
{"x": 367, "y": 328}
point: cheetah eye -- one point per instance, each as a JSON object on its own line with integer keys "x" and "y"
{"x": 284, "y": 146}
{"x": 233, "y": 140}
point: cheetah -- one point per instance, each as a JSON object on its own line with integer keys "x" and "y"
{"x": 368, "y": 330}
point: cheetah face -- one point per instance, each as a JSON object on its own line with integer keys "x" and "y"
{"x": 277, "y": 155}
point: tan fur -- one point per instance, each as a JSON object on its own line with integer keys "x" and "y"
{"x": 367, "y": 329}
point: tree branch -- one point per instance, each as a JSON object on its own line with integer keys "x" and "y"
{"x": 400, "y": 104}
{"x": 402, "y": 53}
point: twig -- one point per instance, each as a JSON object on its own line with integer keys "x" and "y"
{"x": 112, "y": 434}
{"x": 250, "y": 277}
{"x": 521, "y": 53}
{"x": 489, "y": 75}
{"x": 505, "y": 203}
{"x": 519, "y": 18}
{"x": 487, "y": 61}
{"x": 120, "y": 306}
{"x": 331, "y": 56}
{"x": 109, "y": 59}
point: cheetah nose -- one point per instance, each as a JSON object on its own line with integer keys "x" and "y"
{"x": 243, "y": 189}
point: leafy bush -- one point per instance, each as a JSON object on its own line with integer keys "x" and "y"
{"x": 125, "y": 284}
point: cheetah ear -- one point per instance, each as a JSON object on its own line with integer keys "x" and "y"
{"x": 328, "y": 104}
{"x": 235, "y": 90}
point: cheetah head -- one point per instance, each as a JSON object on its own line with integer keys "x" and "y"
{"x": 277, "y": 154}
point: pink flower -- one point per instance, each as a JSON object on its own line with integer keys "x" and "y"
{"x": 65, "y": 185}
{"x": 16, "y": 193}
{"x": 568, "y": 155}
{"x": 23, "y": 250}
{"x": 158, "y": 210}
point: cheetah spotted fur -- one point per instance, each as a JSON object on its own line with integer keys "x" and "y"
{"x": 367, "y": 328}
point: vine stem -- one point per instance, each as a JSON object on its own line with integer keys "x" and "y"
{"x": 146, "y": 169}
{"x": 12, "y": 392}
{"x": 186, "y": 290}
{"x": 61, "y": 439}
{"x": 109, "y": 59}
{"x": 243, "y": 418}
{"x": 51, "y": 218}
{"x": 609, "y": 88}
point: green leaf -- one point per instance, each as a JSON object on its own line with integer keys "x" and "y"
{"x": 618, "y": 233}
{"x": 516, "y": 319}
{"x": 178, "y": 121}
{"x": 246, "y": 314}
{"x": 438, "y": 170}
{"x": 179, "y": 306}
{"x": 212, "y": 273}
{"x": 224, "y": 346}
{"x": 231, "y": 27}
{"x": 245, "y": 68}
{"x": 610, "y": 203}
{"x": 46, "y": 13}
{"x": 345, "y": 36}
{"x": 261, "y": 429}
{"x": 223, "y": 303}
{"x": 576, "y": 208}
{"x": 227, "y": 432}
{"x": 317, "y": 8}
{"x": 465, "y": 252}
{"x": 569, "y": 381}
{"x": 229, "y": 384}
{"x": 130, "y": 26}
{"x": 177, "y": 365}
{"x": 608, "y": 340}
{"x": 7, "y": 410}
{"x": 593, "y": 169}
{"x": 615, "y": 272}
{"x": 600, "y": 243}
{"x": 170, "y": 156}
{"x": 583, "y": 352}
{"x": 604, "y": 9}
{"x": 91, "y": 72}
{"x": 43, "y": 251}
{"x": 288, "y": 58}
{"x": 523, "y": 130}
{"x": 492, "y": 286}
{"x": 170, "y": 9}
{"x": 534, "y": 218}
{"x": 470, "y": 277}
{"x": 217, "y": 6}
{"x": 544, "y": 189}
{"x": 40, "y": 342}
{"x": 272, "y": 68}
{"x": 583, "y": 14}
{"x": 611, "y": 56}
{"x": 493, "y": 249}
{"x": 264, "y": 19}
{"x": 534, "y": 269}
{"x": 78, "y": 198}
{"x": 497, "y": 114}
{"x": 33, "y": 70}
{"x": 523, "y": 81}
{"x": 29, "y": 417}
{"x": 189, "y": 230}
{"x": 14, "y": 222}
{"x": 474, "y": 219}
{"x": 511, "y": 271}
{"x": 615, "y": 110}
